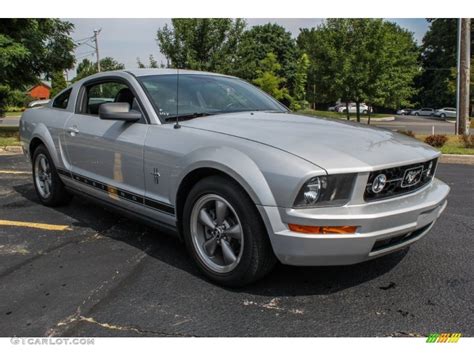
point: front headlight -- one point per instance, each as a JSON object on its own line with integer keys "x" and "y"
{"x": 324, "y": 191}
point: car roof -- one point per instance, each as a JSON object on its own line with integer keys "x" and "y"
{"x": 147, "y": 72}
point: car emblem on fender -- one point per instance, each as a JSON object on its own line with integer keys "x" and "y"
{"x": 412, "y": 176}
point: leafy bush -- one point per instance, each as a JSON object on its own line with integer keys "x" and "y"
{"x": 14, "y": 109}
{"x": 407, "y": 133}
{"x": 18, "y": 98}
{"x": 436, "y": 140}
{"x": 467, "y": 140}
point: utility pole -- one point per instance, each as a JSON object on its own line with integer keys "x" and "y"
{"x": 96, "y": 33}
{"x": 463, "y": 75}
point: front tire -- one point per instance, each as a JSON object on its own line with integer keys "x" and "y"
{"x": 224, "y": 233}
{"x": 49, "y": 187}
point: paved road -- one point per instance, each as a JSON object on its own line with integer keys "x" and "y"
{"x": 110, "y": 276}
{"x": 419, "y": 125}
{"x": 10, "y": 121}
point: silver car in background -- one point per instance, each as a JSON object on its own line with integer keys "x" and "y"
{"x": 243, "y": 181}
{"x": 445, "y": 112}
{"x": 423, "y": 112}
{"x": 403, "y": 111}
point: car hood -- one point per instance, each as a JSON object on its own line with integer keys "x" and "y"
{"x": 332, "y": 144}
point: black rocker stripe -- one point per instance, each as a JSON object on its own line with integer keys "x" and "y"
{"x": 64, "y": 172}
{"x": 126, "y": 195}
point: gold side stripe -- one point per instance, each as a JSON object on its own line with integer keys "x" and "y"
{"x": 16, "y": 172}
{"x": 45, "y": 226}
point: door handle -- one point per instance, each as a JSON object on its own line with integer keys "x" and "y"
{"x": 72, "y": 130}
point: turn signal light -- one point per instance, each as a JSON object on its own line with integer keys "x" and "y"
{"x": 322, "y": 229}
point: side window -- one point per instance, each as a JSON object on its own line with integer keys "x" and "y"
{"x": 98, "y": 94}
{"x": 62, "y": 100}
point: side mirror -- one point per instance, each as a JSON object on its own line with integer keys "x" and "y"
{"x": 118, "y": 111}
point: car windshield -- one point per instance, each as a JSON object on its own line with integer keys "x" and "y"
{"x": 202, "y": 95}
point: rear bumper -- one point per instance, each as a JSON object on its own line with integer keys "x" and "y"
{"x": 383, "y": 227}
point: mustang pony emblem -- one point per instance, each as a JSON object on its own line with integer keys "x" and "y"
{"x": 412, "y": 176}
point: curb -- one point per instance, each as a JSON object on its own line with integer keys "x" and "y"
{"x": 372, "y": 119}
{"x": 457, "y": 159}
{"x": 381, "y": 119}
{"x": 11, "y": 149}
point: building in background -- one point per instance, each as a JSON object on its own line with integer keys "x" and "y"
{"x": 41, "y": 91}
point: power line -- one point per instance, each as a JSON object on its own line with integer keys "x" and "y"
{"x": 83, "y": 39}
{"x": 83, "y": 55}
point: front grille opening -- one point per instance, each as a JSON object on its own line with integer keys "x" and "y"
{"x": 390, "y": 242}
{"x": 395, "y": 180}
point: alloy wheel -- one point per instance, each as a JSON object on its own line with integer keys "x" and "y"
{"x": 216, "y": 233}
{"x": 43, "y": 176}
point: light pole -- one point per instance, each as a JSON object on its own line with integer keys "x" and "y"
{"x": 96, "y": 33}
{"x": 463, "y": 75}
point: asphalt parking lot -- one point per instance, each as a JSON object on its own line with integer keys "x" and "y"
{"x": 418, "y": 125}
{"x": 81, "y": 270}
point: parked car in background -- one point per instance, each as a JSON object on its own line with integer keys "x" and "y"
{"x": 445, "y": 112}
{"x": 335, "y": 108}
{"x": 363, "y": 108}
{"x": 404, "y": 111}
{"x": 243, "y": 181}
{"x": 38, "y": 103}
{"x": 423, "y": 112}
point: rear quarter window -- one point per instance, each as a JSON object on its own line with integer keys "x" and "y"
{"x": 62, "y": 100}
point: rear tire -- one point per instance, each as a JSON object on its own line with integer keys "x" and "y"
{"x": 49, "y": 187}
{"x": 224, "y": 233}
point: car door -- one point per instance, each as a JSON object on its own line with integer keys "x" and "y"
{"x": 106, "y": 155}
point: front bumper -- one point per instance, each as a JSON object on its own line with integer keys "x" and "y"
{"x": 383, "y": 227}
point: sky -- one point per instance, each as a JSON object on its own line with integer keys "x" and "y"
{"x": 127, "y": 39}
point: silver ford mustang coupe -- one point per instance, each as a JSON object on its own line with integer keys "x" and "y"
{"x": 243, "y": 181}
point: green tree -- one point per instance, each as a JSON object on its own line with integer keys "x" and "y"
{"x": 58, "y": 82}
{"x": 84, "y": 69}
{"x": 361, "y": 60}
{"x": 438, "y": 59}
{"x": 268, "y": 80}
{"x": 17, "y": 98}
{"x": 438, "y": 78}
{"x": 255, "y": 45}
{"x": 152, "y": 63}
{"x": 31, "y": 49}
{"x": 87, "y": 67}
{"x": 299, "y": 101}
{"x": 201, "y": 44}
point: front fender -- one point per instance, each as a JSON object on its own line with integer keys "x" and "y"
{"x": 232, "y": 162}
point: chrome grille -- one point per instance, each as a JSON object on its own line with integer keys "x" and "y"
{"x": 398, "y": 180}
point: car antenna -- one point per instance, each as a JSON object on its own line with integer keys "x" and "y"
{"x": 177, "y": 125}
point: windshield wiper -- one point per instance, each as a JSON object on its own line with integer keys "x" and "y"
{"x": 188, "y": 116}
